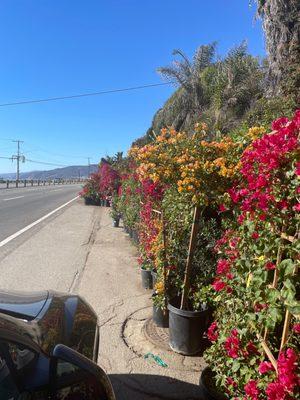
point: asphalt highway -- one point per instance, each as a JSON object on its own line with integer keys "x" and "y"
{"x": 23, "y": 206}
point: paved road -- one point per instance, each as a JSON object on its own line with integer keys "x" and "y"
{"x": 23, "y": 206}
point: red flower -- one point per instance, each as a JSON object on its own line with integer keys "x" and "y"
{"x": 287, "y": 366}
{"x": 265, "y": 367}
{"x": 279, "y": 123}
{"x": 251, "y": 348}
{"x": 222, "y": 208}
{"x": 255, "y": 235}
{"x": 231, "y": 382}
{"x": 269, "y": 266}
{"x": 223, "y": 266}
{"x": 252, "y": 390}
{"x": 212, "y": 333}
{"x": 218, "y": 285}
{"x": 258, "y": 307}
{"x": 275, "y": 391}
{"x": 297, "y": 171}
{"x": 232, "y": 344}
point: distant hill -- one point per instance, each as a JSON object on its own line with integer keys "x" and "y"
{"x": 73, "y": 171}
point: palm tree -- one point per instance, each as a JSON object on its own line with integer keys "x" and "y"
{"x": 282, "y": 30}
{"x": 187, "y": 75}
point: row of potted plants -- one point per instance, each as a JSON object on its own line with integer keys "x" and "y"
{"x": 218, "y": 227}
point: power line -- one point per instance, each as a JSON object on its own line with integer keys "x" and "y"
{"x": 46, "y": 163}
{"x": 17, "y": 103}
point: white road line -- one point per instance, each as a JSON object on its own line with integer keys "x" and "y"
{"x": 13, "y": 198}
{"x": 15, "y": 235}
{"x": 55, "y": 190}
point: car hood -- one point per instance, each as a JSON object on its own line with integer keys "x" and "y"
{"x": 22, "y": 305}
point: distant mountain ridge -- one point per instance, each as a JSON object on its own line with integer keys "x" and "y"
{"x": 73, "y": 171}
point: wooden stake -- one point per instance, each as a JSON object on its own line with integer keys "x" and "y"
{"x": 189, "y": 261}
{"x": 267, "y": 351}
{"x": 165, "y": 254}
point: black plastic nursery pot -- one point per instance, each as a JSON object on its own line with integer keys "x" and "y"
{"x": 146, "y": 279}
{"x": 88, "y": 201}
{"x": 186, "y": 328}
{"x": 154, "y": 277}
{"x": 160, "y": 317}
{"x": 116, "y": 222}
{"x": 207, "y": 386}
{"x": 107, "y": 203}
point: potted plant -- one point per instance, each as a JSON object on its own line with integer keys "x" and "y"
{"x": 146, "y": 268}
{"x": 114, "y": 212}
{"x": 160, "y": 312}
{"x": 208, "y": 387}
{"x": 89, "y": 193}
{"x": 191, "y": 269}
{"x": 255, "y": 333}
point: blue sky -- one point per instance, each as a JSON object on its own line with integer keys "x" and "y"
{"x": 56, "y": 48}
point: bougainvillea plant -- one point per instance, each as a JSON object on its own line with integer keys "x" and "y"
{"x": 91, "y": 189}
{"x": 109, "y": 179}
{"x": 255, "y": 335}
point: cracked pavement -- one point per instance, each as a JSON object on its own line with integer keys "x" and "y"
{"x": 112, "y": 284}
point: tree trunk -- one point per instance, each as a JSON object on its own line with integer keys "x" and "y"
{"x": 281, "y": 24}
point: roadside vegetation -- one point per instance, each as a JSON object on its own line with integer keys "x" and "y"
{"x": 211, "y": 196}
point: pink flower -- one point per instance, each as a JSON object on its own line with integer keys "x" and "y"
{"x": 231, "y": 382}
{"x": 269, "y": 266}
{"x": 296, "y": 328}
{"x": 258, "y": 307}
{"x": 296, "y": 207}
{"x": 241, "y": 218}
{"x": 232, "y": 344}
{"x": 251, "y": 348}
{"x": 218, "y": 285}
{"x": 287, "y": 366}
{"x": 297, "y": 171}
{"x": 223, "y": 266}
{"x": 265, "y": 367}
{"x": 279, "y": 123}
{"x": 222, "y": 208}
{"x": 212, "y": 333}
{"x": 255, "y": 235}
{"x": 275, "y": 391}
{"x": 283, "y": 204}
{"x": 252, "y": 390}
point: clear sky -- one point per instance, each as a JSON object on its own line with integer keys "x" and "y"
{"x": 64, "y": 47}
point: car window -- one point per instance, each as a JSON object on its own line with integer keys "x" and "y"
{"x": 8, "y": 388}
{"x": 22, "y": 357}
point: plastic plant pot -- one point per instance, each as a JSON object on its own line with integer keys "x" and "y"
{"x": 208, "y": 390}
{"x": 186, "y": 328}
{"x": 146, "y": 278}
{"x": 160, "y": 317}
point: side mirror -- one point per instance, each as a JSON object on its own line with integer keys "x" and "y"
{"x": 74, "y": 376}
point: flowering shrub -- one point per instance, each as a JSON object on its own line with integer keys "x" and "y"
{"x": 129, "y": 199}
{"x": 203, "y": 170}
{"x": 109, "y": 179}
{"x": 257, "y": 280}
{"x": 91, "y": 189}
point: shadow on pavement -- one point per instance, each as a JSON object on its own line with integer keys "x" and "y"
{"x": 153, "y": 387}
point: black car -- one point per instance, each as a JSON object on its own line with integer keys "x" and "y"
{"x": 49, "y": 348}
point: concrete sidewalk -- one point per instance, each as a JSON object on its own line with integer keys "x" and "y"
{"x": 111, "y": 282}
{"x": 51, "y": 255}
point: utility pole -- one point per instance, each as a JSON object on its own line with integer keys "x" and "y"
{"x": 18, "y": 157}
{"x": 89, "y": 166}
